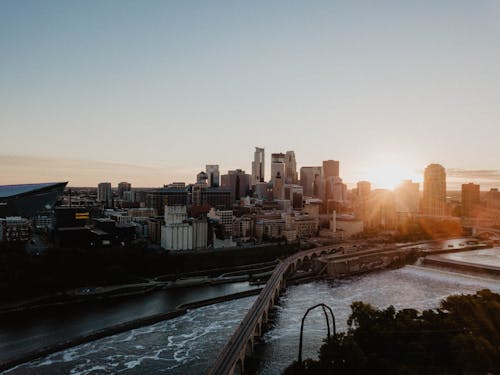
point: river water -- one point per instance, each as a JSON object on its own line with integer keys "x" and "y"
{"x": 190, "y": 343}
{"x": 25, "y": 332}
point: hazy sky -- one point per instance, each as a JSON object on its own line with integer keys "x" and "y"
{"x": 151, "y": 91}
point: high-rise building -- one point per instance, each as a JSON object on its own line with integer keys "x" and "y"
{"x": 104, "y": 194}
{"x": 258, "y": 166}
{"x": 493, "y": 199}
{"x": 202, "y": 178}
{"x": 122, "y": 188}
{"x": 212, "y": 171}
{"x": 470, "y": 199}
{"x": 363, "y": 189}
{"x": 309, "y": 179}
{"x": 277, "y": 166}
{"x": 160, "y": 198}
{"x": 407, "y": 196}
{"x": 238, "y": 183}
{"x": 278, "y": 187}
{"x": 335, "y": 189}
{"x": 220, "y": 198}
{"x": 290, "y": 168}
{"x": 434, "y": 199}
{"x": 294, "y": 193}
{"x": 331, "y": 168}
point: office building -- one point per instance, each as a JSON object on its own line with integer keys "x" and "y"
{"x": 295, "y": 194}
{"x": 160, "y": 198}
{"x": 277, "y": 166}
{"x": 225, "y": 220}
{"x": 331, "y": 168}
{"x": 310, "y": 178}
{"x": 363, "y": 189}
{"x": 219, "y": 198}
{"x": 278, "y": 187}
{"x": 197, "y": 190}
{"x": 291, "y": 168}
{"x": 434, "y": 196}
{"x": 335, "y": 189}
{"x": 122, "y": 188}
{"x": 470, "y": 199}
{"x": 238, "y": 183}
{"x": 212, "y": 172}
{"x": 493, "y": 199}
{"x": 104, "y": 194}
{"x": 258, "y": 166}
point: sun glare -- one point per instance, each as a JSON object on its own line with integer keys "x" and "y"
{"x": 389, "y": 174}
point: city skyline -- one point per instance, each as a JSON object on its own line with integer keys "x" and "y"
{"x": 94, "y": 92}
{"x": 95, "y": 172}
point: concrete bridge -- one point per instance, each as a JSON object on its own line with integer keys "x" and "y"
{"x": 232, "y": 357}
{"x": 481, "y": 231}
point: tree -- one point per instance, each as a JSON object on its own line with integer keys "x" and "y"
{"x": 461, "y": 336}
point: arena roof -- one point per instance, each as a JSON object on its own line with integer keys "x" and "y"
{"x": 13, "y": 190}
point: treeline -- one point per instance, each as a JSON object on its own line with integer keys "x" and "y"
{"x": 462, "y": 336}
{"x": 24, "y": 276}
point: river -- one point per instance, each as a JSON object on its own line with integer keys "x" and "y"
{"x": 25, "y": 332}
{"x": 190, "y": 343}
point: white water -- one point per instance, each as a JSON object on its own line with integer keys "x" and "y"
{"x": 190, "y": 343}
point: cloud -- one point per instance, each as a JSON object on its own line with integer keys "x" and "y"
{"x": 474, "y": 174}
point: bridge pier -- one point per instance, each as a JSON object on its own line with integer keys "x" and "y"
{"x": 232, "y": 358}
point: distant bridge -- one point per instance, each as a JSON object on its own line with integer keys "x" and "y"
{"x": 480, "y": 231}
{"x": 232, "y": 357}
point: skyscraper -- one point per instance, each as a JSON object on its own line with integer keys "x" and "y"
{"x": 277, "y": 166}
{"x": 213, "y": 175}
{"x": 309, "y": 179}
{"x": 290, "y": 168}
{"x": 470, "y": 198}
{"x": 331, "y": 168}
{"x": 238, "y": 182}
{"x": 104, "y": 194}
{"x": 258, "y": 166}
{"x": 123, "y": 187}
{"x": 278, "y": 186}
{"x": 434, "y": 199}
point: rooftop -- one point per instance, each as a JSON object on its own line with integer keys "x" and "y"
{"x": 12, "y": 190}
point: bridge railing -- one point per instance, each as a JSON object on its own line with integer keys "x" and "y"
{"x": 236, "y": 346}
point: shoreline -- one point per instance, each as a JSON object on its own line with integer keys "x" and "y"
{"x": 122, "y": 327}
{"x": 162, "y": 282}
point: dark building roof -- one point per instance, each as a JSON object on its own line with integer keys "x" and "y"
{"x": 27, "y": 199}
{"x": 7, "y": 191}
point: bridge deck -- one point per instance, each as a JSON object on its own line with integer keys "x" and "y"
{"x": 236, "y": 346}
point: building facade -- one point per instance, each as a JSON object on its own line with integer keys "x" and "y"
{"x": 310, "y": 179}
{"x": 122, "y": 188}
{"x": 213, "y": 174}
{"x": 238, "y": 183}
{"x": 434, "y": 196}
{"x": 470, "y": 199}
{"x": 105, "y": 194}
{"x": 258, "y": 166}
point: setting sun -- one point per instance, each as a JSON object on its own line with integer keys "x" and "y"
{"x": 389, "y": 174}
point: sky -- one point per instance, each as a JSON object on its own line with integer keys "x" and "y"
{"x": 150, "y": 92}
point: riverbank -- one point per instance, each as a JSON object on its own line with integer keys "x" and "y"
{"x": 123, "y": 327}
{"x": 248, "y": 272}
{"x": 27, "y": 276}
